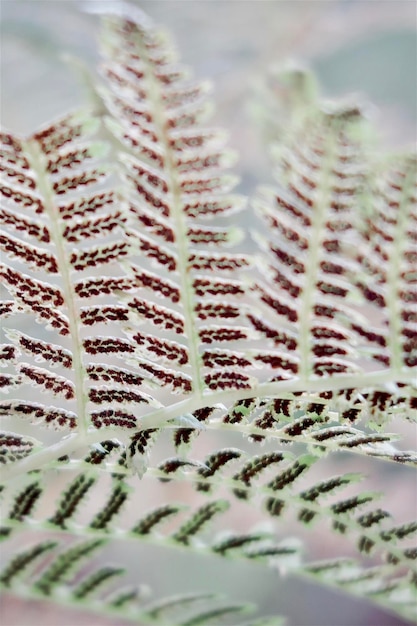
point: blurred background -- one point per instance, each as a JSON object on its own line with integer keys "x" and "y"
{"x": 363, "y": 47}
{"x": 366, "y": 47}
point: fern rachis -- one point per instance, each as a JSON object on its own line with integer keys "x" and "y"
{"x": 153, "y": 331}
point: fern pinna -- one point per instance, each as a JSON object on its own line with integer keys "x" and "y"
{"x": 156, "y": 328}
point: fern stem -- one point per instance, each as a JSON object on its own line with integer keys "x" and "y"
{"x": 161, "y": 540}
{"x": 315, "y": 247}
{"x": 40, "y": 459}
{"x": 36, "y": 162}
{"x": 396, "y": 251}
{"x": 186, "y": 288}
{"x": 161, "y": 417}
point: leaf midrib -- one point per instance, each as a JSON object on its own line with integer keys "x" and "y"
{"x": 36, "y": 162}
{"x": 163, "y": 416}
{"x": 177, "y": 209}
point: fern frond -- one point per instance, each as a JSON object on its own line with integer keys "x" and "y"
{"x": 153, "y": 110}
{"x": 280, "y": 496}
{"x": 326, "y": 188}
{"x": 91, "y": 590}
{"x": 154, "y": 326}
{"x": 389, "y": 257}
